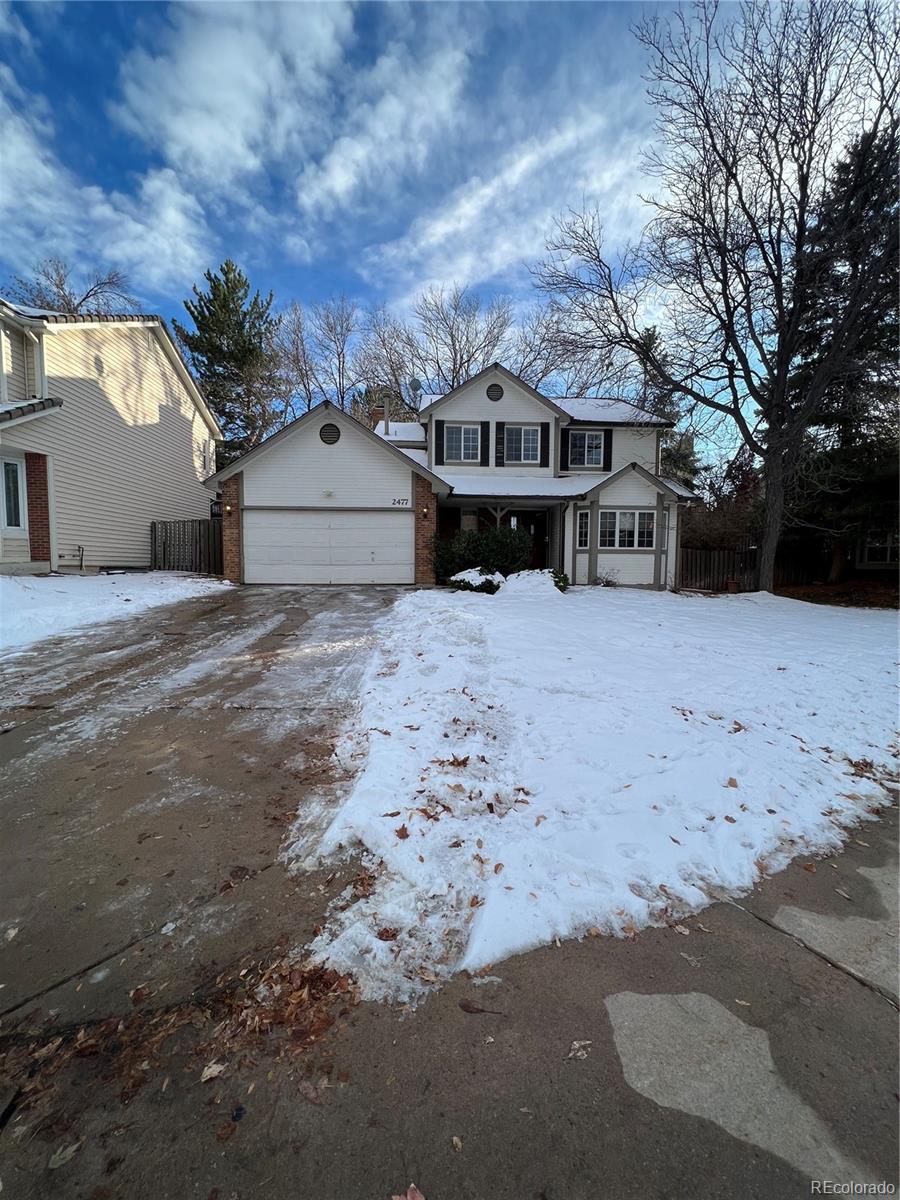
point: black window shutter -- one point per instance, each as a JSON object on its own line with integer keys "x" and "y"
{"x": 438, "y": 443}
{"x": 485, "y": 443}
{"x": 607, "y": 449}
{"x": 564, "y": 448}
{"x": 499, "y": 443}
{"x": 545, "y": 443}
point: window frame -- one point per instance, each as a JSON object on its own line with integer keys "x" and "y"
{"x": 881, "y": 538}
{"x": 23, "y": 497}
{"x": 618, "y": 530}
{"x": 462, "y": 426}
{"x": 586, "y": 545}
{"x": 587, "y": 433}
{"x": 520, "y": 429}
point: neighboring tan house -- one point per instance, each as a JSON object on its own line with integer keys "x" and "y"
{"x": 327, "y": 500}
{"x": 102, "y": 430}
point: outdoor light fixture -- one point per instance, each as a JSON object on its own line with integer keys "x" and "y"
{"x": 228, "y": 508}
{"x": 425, "y": 513}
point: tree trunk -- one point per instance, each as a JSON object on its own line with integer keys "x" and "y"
{"x": 774, "y": 479}
{"x": 838, "y": 561}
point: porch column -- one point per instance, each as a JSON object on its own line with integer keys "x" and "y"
{"x": 38, "y": 492}
{"x": 425, "y": 530}
{"x": 659, "y": 561}
{"x": 594, "y": 526}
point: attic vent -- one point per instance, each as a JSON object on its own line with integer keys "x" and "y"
{"x": 495, "y": 391}
{"x": 329, "y": 434}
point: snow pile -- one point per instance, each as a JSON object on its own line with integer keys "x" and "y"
{"x": 35, "y": 607}
{"x": 476, "y": 576}
{"x": 536, "y": 766}
{"x": 528, "y": 584}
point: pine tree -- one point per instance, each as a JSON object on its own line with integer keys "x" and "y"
{"x": 677, "y": 454}
{"x": 231, "y": 350}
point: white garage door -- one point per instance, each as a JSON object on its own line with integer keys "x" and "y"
{"x": 329, "y": 546}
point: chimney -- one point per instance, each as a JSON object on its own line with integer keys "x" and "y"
{"x": 377, "y": 414}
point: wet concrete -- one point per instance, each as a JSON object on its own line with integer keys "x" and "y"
{"x": 146, "y": 801}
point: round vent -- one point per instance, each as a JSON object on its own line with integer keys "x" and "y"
{"x": 329, "y": 434}
{"x": 494, "y": 392}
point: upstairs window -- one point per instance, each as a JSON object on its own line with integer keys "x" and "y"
{"x": 462, "y": 443}
{"x": 586, "y": 448}
{"x": 522, "y": 444}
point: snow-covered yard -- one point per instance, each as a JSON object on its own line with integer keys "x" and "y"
{"x": 534, "y": 765}
{"x": 35, "y": 607}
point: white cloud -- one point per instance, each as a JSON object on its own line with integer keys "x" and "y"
{"x": 231, "y": 88}
{"x": 158, "y": 235}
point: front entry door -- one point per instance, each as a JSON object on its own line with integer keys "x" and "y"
{"x": 535, "y": 521}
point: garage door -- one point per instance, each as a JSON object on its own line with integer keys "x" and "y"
{"x": 329, "y": 546}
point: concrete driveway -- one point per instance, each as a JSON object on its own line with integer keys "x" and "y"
{"x": 149, "y": 771}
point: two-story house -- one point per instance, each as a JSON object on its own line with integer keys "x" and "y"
{"x": 102, "y": 430}
{"x": 327, "y": 500}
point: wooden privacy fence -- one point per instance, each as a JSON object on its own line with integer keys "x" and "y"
{"x": 711, "y": 570}
{"x": 187, "y": 546}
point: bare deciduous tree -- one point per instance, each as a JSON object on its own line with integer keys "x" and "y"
{"x": 317, "y": 354}
{"x": 754, "y": 106}
{"x": 51, "y": 286}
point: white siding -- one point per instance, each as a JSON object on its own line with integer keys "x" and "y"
{"x": 301, "y": 471}
{"x": 126, "y": 446}
{"x": 14, "y": 363}
{"x": 628, "y": 570}
{"x": 631, "y": 490}
{"x": 516, "y": 407}
{"x": 328, "y": 546}
{"x": 672, "y": 547}
{"x": 634, "y": 445}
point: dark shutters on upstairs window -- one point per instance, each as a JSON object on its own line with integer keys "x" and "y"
{"x": 564, "y": 448}
{"x": 485, "y": 443}
{"x": 438, "y": 443}
{"x": 607, "y": 449}
{"x": 499, "y": 443}
{"x": 545, "y": 444}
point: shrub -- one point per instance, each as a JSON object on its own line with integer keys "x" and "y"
{"x": 560, "y": 578}
{"x": 502, "y": 549}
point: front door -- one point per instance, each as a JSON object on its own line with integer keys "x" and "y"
{"x": 535, "y": 522}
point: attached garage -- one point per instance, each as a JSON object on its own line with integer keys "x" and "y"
{"x": 326, "y": 501}
{"x": 329, "y": 546}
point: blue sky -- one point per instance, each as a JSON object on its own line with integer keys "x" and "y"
{"x": 372, "y": 149}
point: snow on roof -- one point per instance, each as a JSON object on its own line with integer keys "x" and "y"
{"x": 63, "y": 318}
{"x": 679, "y": 488}
{"x": 554, "y": 487}
{"x": 402, "y": 431}
{"x": 598, "y": 408}
{"x": 418, "y": 456}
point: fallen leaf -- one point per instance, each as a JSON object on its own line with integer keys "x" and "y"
{"x": 387, "y": 934}
{"x": 538, "y": 820}
{"x": 732, "y": 782}
{"x": 498, "y": 867}
{"x": 743, "y": 1003}
{"x": 402, "y": 832}
{"x": 457, "y": 1144}
{"x": 308, "y": 1092}
{"x": 212, "y": 1071}
{"x": 682, "y": 929}
{"x": 730, "y": 820}
{"x": 703, "y": 927}
{"x": 844, "y": 894}
{"x": 675, "y": 840}
{"x": 392, "y": 814}
{"x": 224, "y": 1132}
{"x": 579, "y": 1049}
{"x": 411, "y": 1193}
{"x": 811, "y": 867}
{"x": 63, "y": 1155}
{"x": 468, "y": 1007}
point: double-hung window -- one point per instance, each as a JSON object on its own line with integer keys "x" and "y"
{"x": 462, "y": 443}
{"x": 881, "y": 547}
{"x": 586, "y": 448}
{"x": 627, "y": 530}
{"x": 522, "y": 444}
{"x": 12, "y": 498}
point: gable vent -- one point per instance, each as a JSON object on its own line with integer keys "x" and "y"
{"x": 329, "y": 434}
{"x": 494, "y": 392}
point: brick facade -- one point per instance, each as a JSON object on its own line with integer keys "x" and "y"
{"x": 426, "y": 528}
{"x": 232, "y": 547}
{"x": 38, "y": 493}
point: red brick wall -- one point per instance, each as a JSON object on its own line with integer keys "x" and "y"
{"x": 38, "y": 506}
{"x": 426, "y": 527}
{"x": 232, "y": 550}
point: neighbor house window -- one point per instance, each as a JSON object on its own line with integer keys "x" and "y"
{"x": 468, "y": 519}
{"x": 13, "y": 495}
{"x": 627, "y": 530}
{"x": 584, "y": 530}
{"x": 881, "y": 546}
{"x": 523, "y": 443}
{"x": 462, "y": 443}
{"x": 585, "y": 449}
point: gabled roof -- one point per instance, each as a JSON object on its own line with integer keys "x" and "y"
{"x": 498, "y": 369}
{"x": 338, "y": 415}
{"x": 39, "y": 318}
{"x": 601, "y": 410}
{"x": 661, "y": 485}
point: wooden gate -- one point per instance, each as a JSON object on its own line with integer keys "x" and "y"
{"x": 710, "y": 570}
{"x": 187, "y": 546}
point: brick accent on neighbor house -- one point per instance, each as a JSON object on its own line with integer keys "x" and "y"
{"x": 426, "y": 527}
{"x": 38, "y": 492}
{"x": 232, "y": 547}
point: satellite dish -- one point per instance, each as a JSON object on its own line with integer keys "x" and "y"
{"x": 415, "y": 385}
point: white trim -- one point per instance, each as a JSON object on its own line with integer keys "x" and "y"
{"x": 23, "y": 496}
{"x": 4, "y": 385}
{"x": 579, "y": 513}
{"x": 638, "y": 512}
{"x": 462, "y": 426}
{"x": 586, "y": 433}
